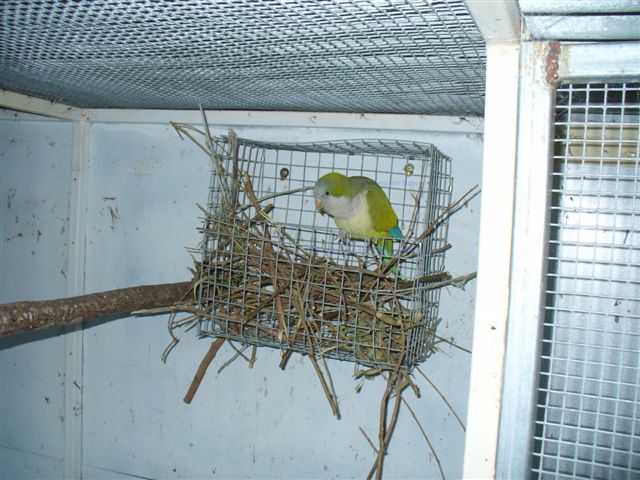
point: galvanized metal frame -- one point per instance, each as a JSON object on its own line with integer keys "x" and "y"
{"x": 577, "y": 62}
{"x": 581, "y": 19}
{"x": 586, "y": 27}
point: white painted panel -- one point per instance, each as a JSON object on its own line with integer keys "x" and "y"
{"x": 35, "y": 173}
{"x": 260, "y": 423}
{"x": 497, "y": 20}
{"x": 494, "y": 263}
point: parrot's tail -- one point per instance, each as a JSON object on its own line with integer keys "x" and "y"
{"x": 384, "y": 246}
{"x": 395, "y": 232}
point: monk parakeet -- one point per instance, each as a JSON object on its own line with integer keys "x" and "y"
{"x": 359, "y": 208}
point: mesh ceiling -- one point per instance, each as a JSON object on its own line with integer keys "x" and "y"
{"x": 409, "y": 56}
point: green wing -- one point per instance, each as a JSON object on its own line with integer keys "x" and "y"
{"x": 383, "y": 218}
{"x": 382, "y": 215}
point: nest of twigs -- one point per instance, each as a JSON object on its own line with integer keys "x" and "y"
{"x": 259, "y": 285}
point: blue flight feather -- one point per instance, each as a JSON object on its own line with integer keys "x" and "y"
{"x": 395, "y": 232}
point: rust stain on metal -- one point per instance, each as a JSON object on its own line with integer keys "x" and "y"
{"x": 552, "y": 63}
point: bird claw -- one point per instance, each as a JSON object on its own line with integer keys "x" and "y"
{"x": 374, "y": 253}
{"x": 343, "y": 238}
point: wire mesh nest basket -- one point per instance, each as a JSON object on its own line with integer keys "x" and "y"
{"x": 275, "y": 272}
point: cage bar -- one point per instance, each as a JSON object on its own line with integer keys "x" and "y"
{"x": 588, "y": 420}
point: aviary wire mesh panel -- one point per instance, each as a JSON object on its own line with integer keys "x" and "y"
{"x": 396, "y": 56}
{"x": 588, "y": 417}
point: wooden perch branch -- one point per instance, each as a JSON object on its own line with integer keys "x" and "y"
{"x": 29, "y": 316}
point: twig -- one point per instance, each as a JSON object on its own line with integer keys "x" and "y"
{"x": 240, "y": 351}
{"x": 424, "y": 434}
{"x": 174, "y": 340}
{"x": 417, "y": 199}
{"x": 414, "y": 387}
{"x": 236, "y": 355}
{"x": 385, "y": 432}
{"x": 191, "y": 320}
{"x": 368, "y": 439}
{"x": 330, "y": 385}
{"x": 448, "y": 341}
{"x": 252, "y": 360}
{"x": 235, "y": 173}
{"x": 248, "y": 188}
{"x": 224, "y": 186}
{"x": 275, "y": 195}
{"x": 323, "y": 382}
{"x": 182, "y": 130}
{"x": 443, "y": 399}
{"x": 456, "y": 282}
{"x": 284, "y": 232}
{"x": 202, "y": 369}
{"x": 286, "y": 355}
{"x": 461, "y": 282}
{"x": 207, "y": 130}
{"x": 450, "y": 210}
{"x": 381, "y": 431}
{"x": 264, "y": 303}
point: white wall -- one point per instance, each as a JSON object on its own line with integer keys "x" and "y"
{"x": 35, "y": 171}
{"x": 259, "y": 423}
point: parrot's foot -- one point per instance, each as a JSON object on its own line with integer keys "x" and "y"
{"x": 344, "y": 241}
{"x": 343, "y": 238}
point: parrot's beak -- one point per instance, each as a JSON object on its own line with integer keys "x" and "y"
{"x": 319, "y": 206}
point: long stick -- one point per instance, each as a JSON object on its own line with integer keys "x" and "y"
{"x": 30, "y": 316}
{"x": 269, "y": 252}
{"x": 385, "y": 432}
{"x": 202, "y": 369}
{"x": 377, "y": 465}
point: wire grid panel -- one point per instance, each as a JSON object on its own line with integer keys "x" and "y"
{"x": 297, "y": 283}
{"x": 588, "y": 417}
{"x": 396, "y": 56}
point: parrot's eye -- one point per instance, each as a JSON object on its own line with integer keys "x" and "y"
{"x": 326, "y": 193}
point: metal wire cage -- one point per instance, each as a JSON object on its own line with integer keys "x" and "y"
{"x": 282, "y": 275}
{"x": 588, "y": 416}
{"x": 395, "y": 56}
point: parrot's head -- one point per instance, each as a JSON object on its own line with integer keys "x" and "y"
{"x": 331, "y": 193}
